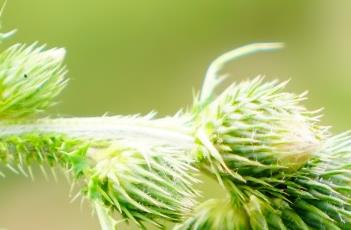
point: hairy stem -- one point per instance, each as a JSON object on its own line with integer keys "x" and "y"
{"x": 167, "y": 131}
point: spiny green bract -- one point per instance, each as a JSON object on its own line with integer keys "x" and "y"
{"x": 30, "y": 77}
{"x": 19, "y": 153}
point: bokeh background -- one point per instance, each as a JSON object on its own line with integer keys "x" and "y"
{"x": 132, "y": 56}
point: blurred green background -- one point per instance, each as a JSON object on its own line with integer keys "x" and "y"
{"x": 131, "y": 56}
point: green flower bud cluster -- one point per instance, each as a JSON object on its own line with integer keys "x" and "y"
{"x": 315, "y": 197}
{"x": 279, "y": 167}
{"x": 144, "y": 182}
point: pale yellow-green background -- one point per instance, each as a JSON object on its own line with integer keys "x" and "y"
{"x": 136, "y": 56}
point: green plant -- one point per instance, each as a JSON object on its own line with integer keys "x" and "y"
{"x": 280, "y": 168}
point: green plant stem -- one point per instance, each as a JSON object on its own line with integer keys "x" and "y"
{"x": 170, "y": 131}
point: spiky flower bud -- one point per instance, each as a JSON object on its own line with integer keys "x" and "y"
{"x": 254, "y": 127}
{"x": 30, "y": 77}
{"x": 143, "y": 185}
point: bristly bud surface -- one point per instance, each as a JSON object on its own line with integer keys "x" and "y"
{"x": 30, "y": 78}
{"x": 255, "y": 128}
{"x": 143, "y": 185}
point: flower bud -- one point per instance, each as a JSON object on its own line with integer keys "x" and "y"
{"x": 30, "y": 77}
{"x": 143, "y": 184}
{"x": 253, "y": 127}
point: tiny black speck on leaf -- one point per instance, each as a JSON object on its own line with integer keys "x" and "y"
{"x": 25, "y": 76}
